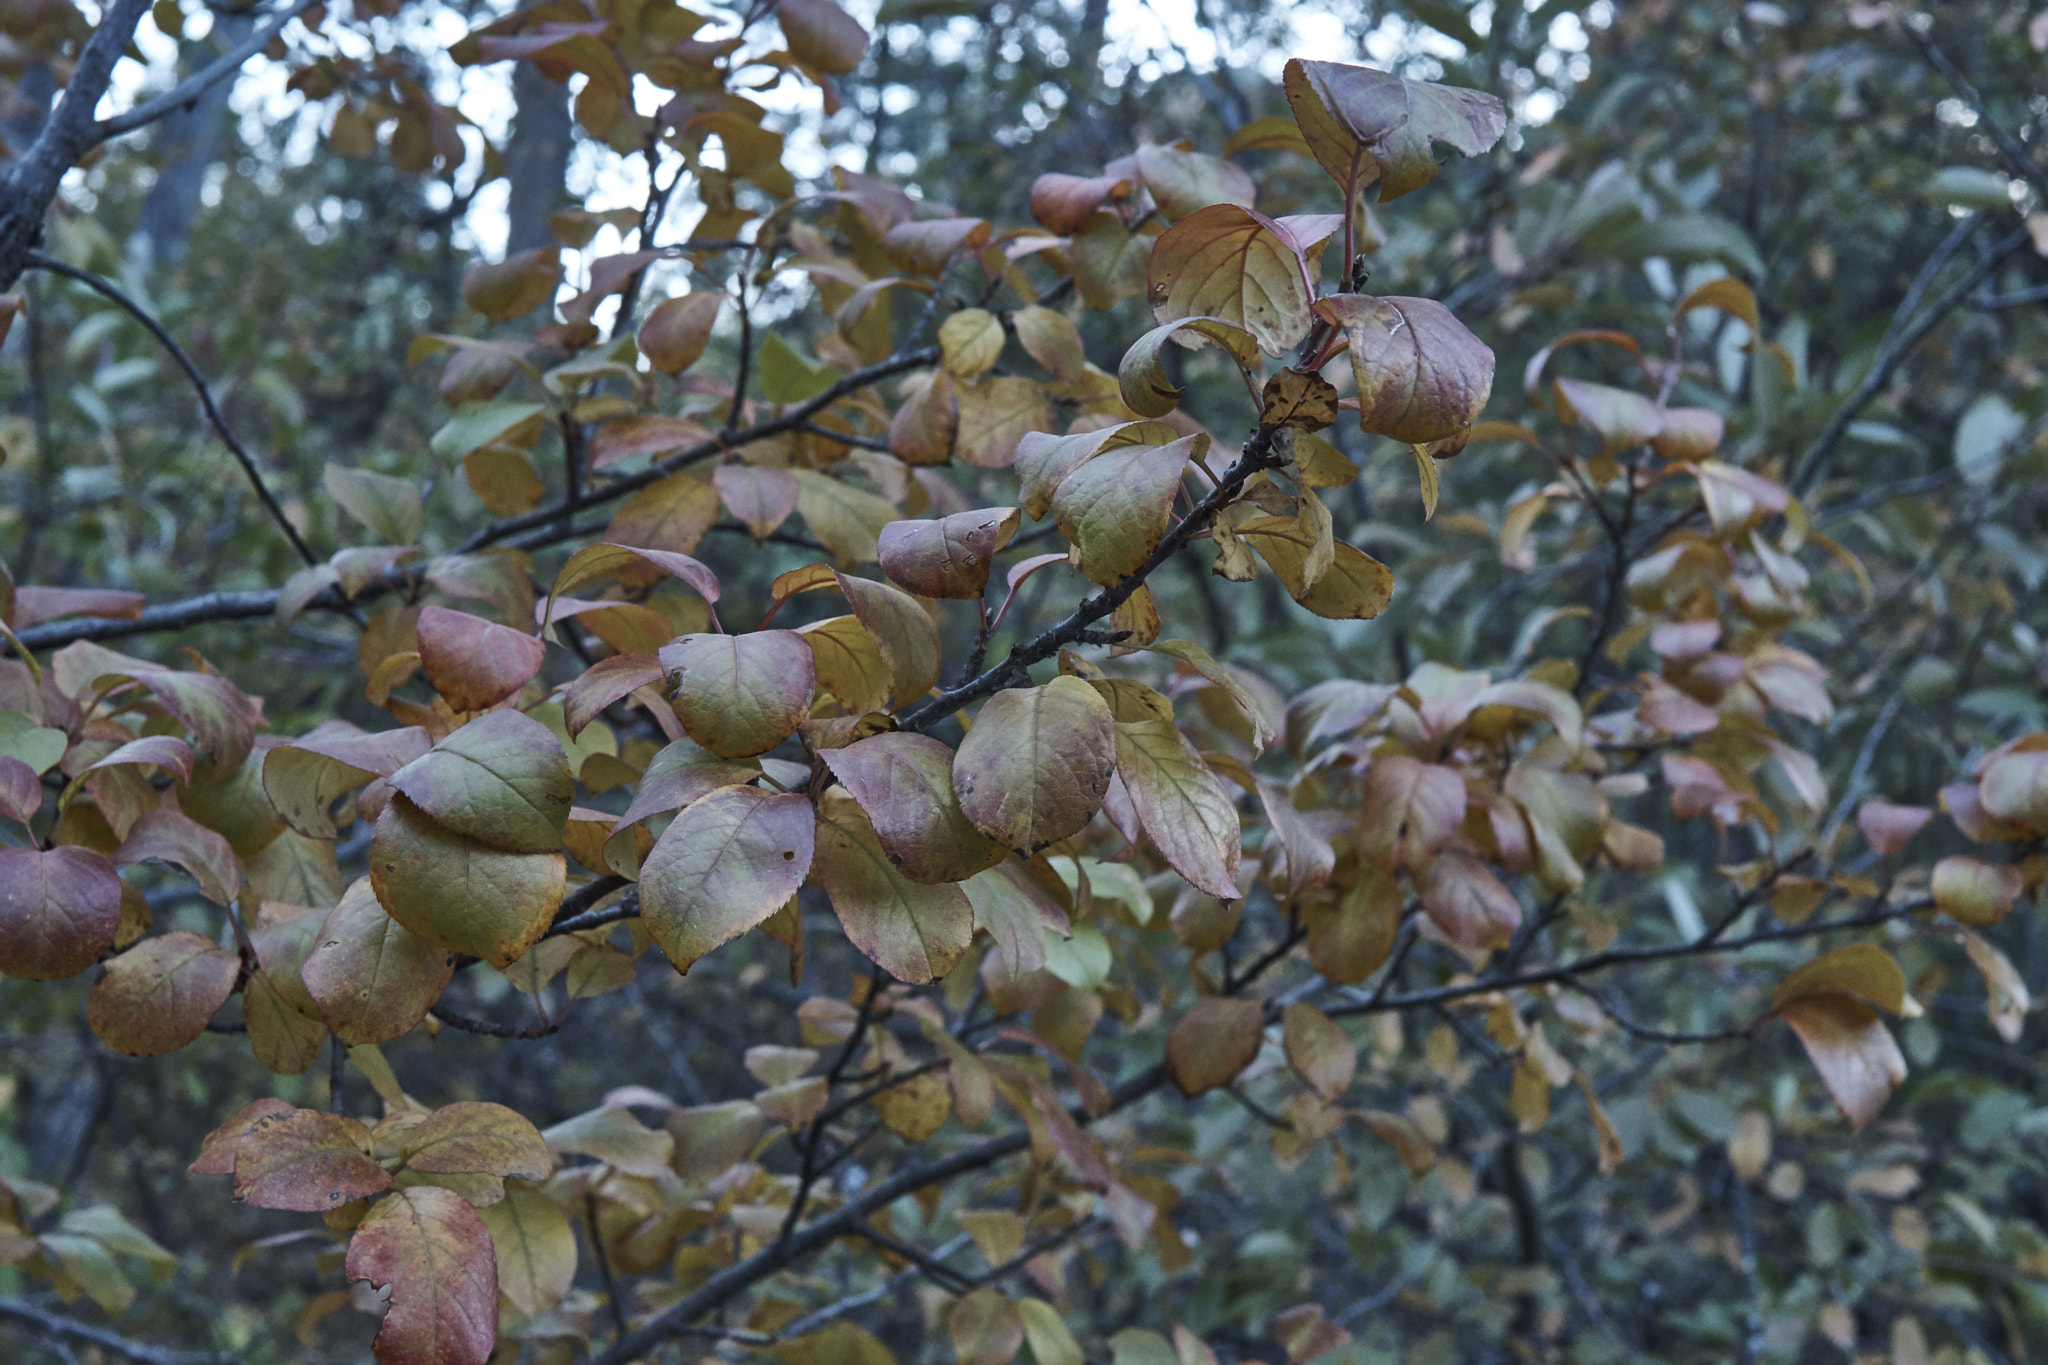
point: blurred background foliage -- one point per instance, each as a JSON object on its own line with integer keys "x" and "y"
{"x": 1806, "y": 147}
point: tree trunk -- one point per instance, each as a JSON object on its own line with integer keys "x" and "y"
{"x": 537, "y": 159}
{"x": 186, "y": 140}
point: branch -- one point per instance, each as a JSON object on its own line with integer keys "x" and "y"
{"x": 792, "y": 420}
{"x": 2009, "y": 146}
{"x": 200, "y": 81}
{"x": 193, "y": 611}
{"x": 108, "y": 289}
{"x": 66, "y": 1329}
{"x": 1565, "y": 973}
{"x": 1810, "y": 465}
{"x": 735, "y": 1280}
{"x": 31, "y": 182}
{"x": 1257, "y": 455}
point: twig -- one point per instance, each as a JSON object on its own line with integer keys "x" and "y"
{"x": 108, "y": 289}
{"x": 488, "y": 1029}
{"x": 604, "y": 1261}
{"x": 1808, "y": 469}
{"x": 2009, "y": 146}
{"x": 202, "y": 80}
{"x": 935, "y": 1270}
{"x": 65, "y": 1329}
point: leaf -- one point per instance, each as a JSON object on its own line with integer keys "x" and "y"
{"x": 476, "y": 425}
{"x": 2006, "y": 999}
{"x": 728, "y": 862}
{"x": 1306, "y": 402}
{"x": 1065, "y": 203}
{"x": 1182, "y": 182}
{"x": 1422, "y": 377}
{"x": 950, "y": 557}
{"x": 1363, "y": 125}
{"x": 1349, "y": 940}
{"x": 970, "y": 342}
{"x": 761, "y": 499}
{"x": 502, "y": 780}
{"x": 1862, "y": 971}
{"x": 926, "y": 246}
{"x": 1354, "y": 587}
{"x": 472, "y": 662}
{"x": 1468, "y": 903}
{"x": 389, "y": 506}
{"x": 846, "y": 519}
{"x": 739, "y": 695}
{"x": 904, "y": 784}
{"x": 459, "y": 894}
{"x": 914, "y": 932}
{"x": 1053, "y": 341}
{"x": 1050, "y": 1340}
{"x": 306, "y": 1162}
{"x": 514, "y": 286}
{"x": 1199, "y": 660}
{"x": 1044, "y": 460}
{"x": 1318, "y": 1049}
{"x": 1852, "y": 1050}
{"x": 217, "y": 1149}
{"x": 157, "y": 996}
{"x": 371, "y": 978}
{"x": 1115, "y": 507}
{"x": 535, "y": 1248}
{"x": 1018, "y": 913}
{"x": 168, "y": 835}
{"x": 2014, "y": 787}
{"x": 605, "y": 682}
{"x": 284, "y": 1038}
{"x": 1426, "y": 476}
{"x": 995, "y": 413}
{"x": 670, "y": 514}
{"x": 1685, "y": 238}
{"x": 1035, "y": 766}
{"x": 615, "y": 1137}
{"x": 1235, "y": 264}
{"x": 435, "y": 1253}
{"x": 1408, "y": 811}
{"x": 849, "y": 664}
{"x": 1976, "y": 892}
{"x": 926, "y": 428}
{"x": 905, "y": 636}
{"x": 59, "y": 911}
{"x": 1888, "y": 828}
{"x": 1218, "y": 1037}
{"x": 305, "y": 777}
{"x": 1109, "y": 261}
{"x": 677, "y": 330}
{"x": 1181, "y": 804}
{"x": 985, "y": 1328}
{"x": 473, "y": 1138}
{"x": 1141, "y": 374}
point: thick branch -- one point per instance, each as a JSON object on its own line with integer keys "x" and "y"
{"x": 202, "y": 80}
{"x": 69, "y": 132}
{"x": 107, "y": 289}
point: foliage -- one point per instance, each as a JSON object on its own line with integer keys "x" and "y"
{"x": 1400, "y": 984}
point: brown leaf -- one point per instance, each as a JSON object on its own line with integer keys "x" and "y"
{"x": 514, "y": 286}
{"x": 157, "y": 996}
{"x": 760, "y": 499}
{"x": 950, "y": 557}
{"x": 914, "y": 932}
{"x": 1364, "y": 125}
{"x": 306, "y": 1162}
{"x": 1976, "y": 892}
{"x": 1408, "y": 811}
{"x": 677, "y": 330}
{"x": 1888, "y": 828}
{"x": 904, "y": 783}
{"x": 1318, "y": 1049}
{"x": 1035, "y": 766}
{"x": 1422, "y": 377}
{"x": 472, "y": 662}
{"x": 1217, "y": 1038}
{"x": 371, "y": 978}
{"x": 1294, "y": 399}
{"x": 1852, "y": 1050}
{"x": 1236, "y": 264}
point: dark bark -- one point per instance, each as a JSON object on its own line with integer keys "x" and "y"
{"x": 186, "y": 144}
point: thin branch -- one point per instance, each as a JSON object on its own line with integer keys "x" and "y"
{"x": 1257, "y": 455}
{"x": 935, "y": 1270}
{"x": 604, "y": 1261}
{"x": 1813, "y": 463}
{"x": 736, "y": 1279}
{"x": 107, "y": 289}
{"x": 2009, "y": 146}
{"x": 202, "y": 80}
{"x": 465, "y": 1024}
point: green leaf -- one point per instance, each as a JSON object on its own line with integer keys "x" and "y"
{"x": 459, "y": 894}
{"x": 482, "y": 424}
{"x": 388, "y": 506}
{"x": 1115, "y": 507}
{"x": 501, "y": 780}
{"x": 1687, "y": 238}
{"x": 371, "y": 978}
{"x": 787, "y": 377}
{"x": 535, "y": 1247}
{"x": 739, "y": 695}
